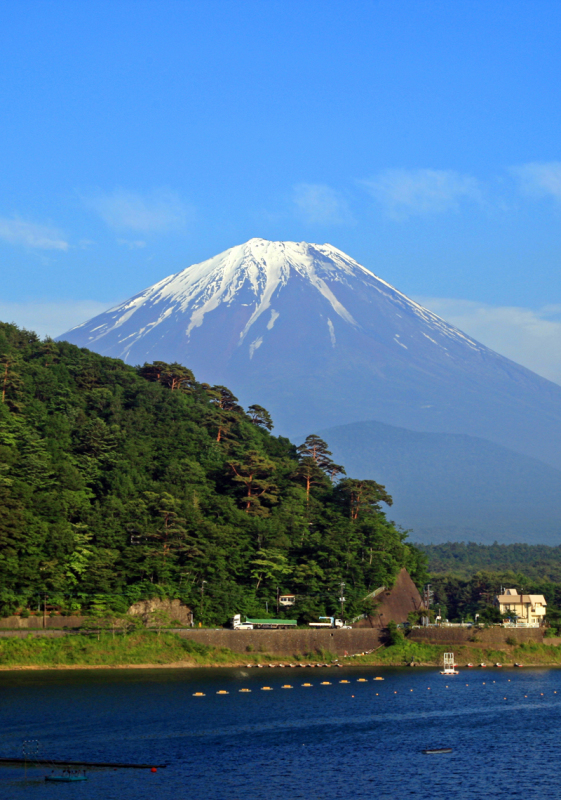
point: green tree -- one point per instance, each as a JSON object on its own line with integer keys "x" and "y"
{"x": 311, "y": 474}
{"x": 159, "y": 619}
{"x": 269, "y": 565}
{"x": 260, "y": 416}
{"x": 253, "y": 474}
{"x": 226, "y": 408}
{"x": 364, "y": 496}
{"x": 11, "y": 381}
{"x": 174, "y": 376}
{"x": 170, "y": 538}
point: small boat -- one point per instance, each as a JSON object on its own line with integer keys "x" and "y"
{"x": 483, "y": 665}
{"x": 470, "y": 665}
{"x": 434, "y": 750}
{"x": 516, "y": 664}
{"x": 449, "y": 672}
{"x": 498, "y": 665}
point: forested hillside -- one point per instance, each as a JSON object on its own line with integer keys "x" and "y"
{"x": 119, "y": 483}
{"x": 461, "y": 599}
{"x": 466, "y": 577}
{"x": 462, "y": 559}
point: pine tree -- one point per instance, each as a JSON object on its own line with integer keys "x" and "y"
{"x": 364, "y": 496}
{"x": 175, "y": 376}
{"x": 254, "y": 473}
{"x": 260, "y": 416}
{"x": 227, "y": 409}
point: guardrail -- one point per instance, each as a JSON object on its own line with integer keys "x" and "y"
{"x": 521, "y": 624}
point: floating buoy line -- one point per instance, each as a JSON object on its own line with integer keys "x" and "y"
{"x": 307, "y": 685}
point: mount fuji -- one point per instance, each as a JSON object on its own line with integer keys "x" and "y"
{"x": 319, "y": 340}
{"x": 468, "y": 442}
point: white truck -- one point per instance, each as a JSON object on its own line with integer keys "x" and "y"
{"x": 332, "y": 623}
{"x": 237, "y": 624}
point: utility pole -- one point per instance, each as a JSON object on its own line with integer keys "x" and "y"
{"x": 278, "y": 595}
{"x": 342, "y": 599}
{"x": 202, "y": 598}
{"x": 44, "y": 611}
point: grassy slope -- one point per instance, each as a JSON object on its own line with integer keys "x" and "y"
{"x": 147, "y": 648}
{"x": 137, "y": 648}
{"x": 420, "y": 653}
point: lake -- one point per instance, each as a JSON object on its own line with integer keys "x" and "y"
{"x": 361, "y": 739}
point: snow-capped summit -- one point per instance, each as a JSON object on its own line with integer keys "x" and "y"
{"x": 308, "y": 332}
{"x": 257, "y": 272}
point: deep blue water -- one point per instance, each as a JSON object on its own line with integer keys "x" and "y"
{"x": 355, "y": 740}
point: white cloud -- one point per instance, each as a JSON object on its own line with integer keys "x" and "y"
{"x": 136, "y": 244}
{"x": 539, "y": 179}
{"x": 30, "y": 234}
{"x": 155, "y": 212}
{"x": 406, "y": 193}
{"x": 319, "y": 204}
{"x": 51, "y": 319}
{"x": 528, "y": 336}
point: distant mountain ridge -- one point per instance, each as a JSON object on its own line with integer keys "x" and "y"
{"x": 454, "y": 487}
{"x": 321, "y": 341}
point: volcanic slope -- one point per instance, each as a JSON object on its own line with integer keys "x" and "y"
{"x": 453, "y": 487}
{"x": 321, "y": 341}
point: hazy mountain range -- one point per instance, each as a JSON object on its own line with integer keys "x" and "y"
{"x": 319, "y": 340}
{"x": 453, "y": 487}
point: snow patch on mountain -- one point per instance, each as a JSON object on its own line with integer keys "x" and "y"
{"x": 274, "y": 316}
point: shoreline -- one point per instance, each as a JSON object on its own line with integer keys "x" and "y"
{"x": 239, "y": 665}
{"x": 170, "y": 651}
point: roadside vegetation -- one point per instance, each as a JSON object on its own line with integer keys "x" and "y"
{"x": 141, "y": 647}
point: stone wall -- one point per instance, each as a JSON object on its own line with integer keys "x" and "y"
{"x": 176, "y": 610}
{"x": 36, "y": 622}
{"x": 486, "y": 637}
{"x": 288, "y": 643}
{"x": 23, "y": 634}
{"x": 278, "y": 643}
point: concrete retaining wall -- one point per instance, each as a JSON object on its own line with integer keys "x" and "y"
{"x": 552, "y": 640}
{"x": 278, "y": 643}
{"x": 36, "y": 623}
{"x": 54, "y": 634}
{"x": 288, "y": 643}
{"x": 488, "y": 637}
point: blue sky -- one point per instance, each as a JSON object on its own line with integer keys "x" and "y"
{"x": 422, "y": 138}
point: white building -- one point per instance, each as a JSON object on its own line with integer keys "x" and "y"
{"x": 529, "y": 609}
